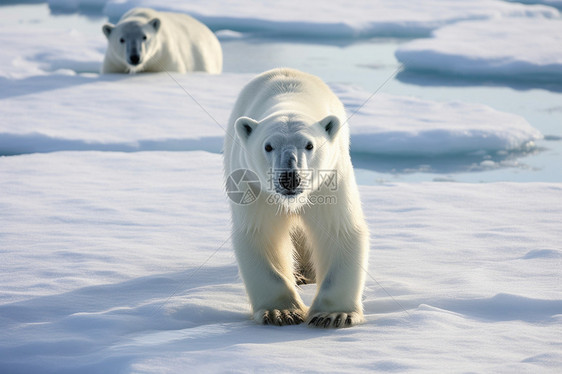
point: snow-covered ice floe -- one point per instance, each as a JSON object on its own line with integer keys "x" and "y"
{"x": 316, "y": 18}
{"x": 189, "y": 112}
{"x": 30, "y": 51}
{"x": 514, "y": 49}
{"x": 117, "y": 112}
{"x": 407, "y": 126}
{"x": 121, "y": 262}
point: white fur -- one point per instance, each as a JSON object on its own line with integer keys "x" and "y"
{"x": 174, "y": 42}
{"x": 288, "y": 109}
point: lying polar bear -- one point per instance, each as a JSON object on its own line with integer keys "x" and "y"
{"x": 145, "y": 40}
{"x": 300, "y": 218}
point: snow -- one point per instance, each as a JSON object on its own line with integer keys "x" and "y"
{"x": 339, "y": 18}
{"x": 407, "y": 126}
{"x": 30, "y": 52}
{"x": 164, "y": 112}
{"x": 520, "y": 49}
{"x": 121, "y": 262}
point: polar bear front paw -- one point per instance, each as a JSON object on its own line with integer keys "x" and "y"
{"x": 279, "y": 317}
{"x": 335, "y": 320}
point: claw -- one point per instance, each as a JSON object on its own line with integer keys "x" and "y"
{"x": 348, "y": 321}
{"x": 277, "y": 318}
{"x": 297, "y": 318}
{"x": 327, "y": 322}
{"x": 286, "y": 316}
{"x": 313, "y": 321}
{"x": 337, "y": 322}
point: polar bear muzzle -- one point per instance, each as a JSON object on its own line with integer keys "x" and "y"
{"x": 288, "y": 177}
{"x": 133, "y": 55}
{"x": 289, "y": 180}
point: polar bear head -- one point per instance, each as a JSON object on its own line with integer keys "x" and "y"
{"x": 287, "y": 151}
{"x": 132, "y": 42}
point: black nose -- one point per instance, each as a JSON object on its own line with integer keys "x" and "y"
{"x": 134, "y": 59}
{"x": 289, "y": 180}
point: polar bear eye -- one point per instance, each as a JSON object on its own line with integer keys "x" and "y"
{"x": 268, "y": 147}
{"x": 144, "y": 37}
{"x": 121, "y": 40}
{"x": 309, "y": 146}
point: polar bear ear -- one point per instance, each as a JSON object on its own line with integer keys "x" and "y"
{"x": 244, "y": 127}
{"x": 155, "y": 23}
{"x": 107, "y": 29}
{"x": 331, "y": 124}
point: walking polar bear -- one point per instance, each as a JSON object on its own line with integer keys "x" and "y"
{"x": 145, "y": 40}
{"x": 287, "y": 132}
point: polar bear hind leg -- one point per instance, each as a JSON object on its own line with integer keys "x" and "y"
{"x": 304, "y": 268}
